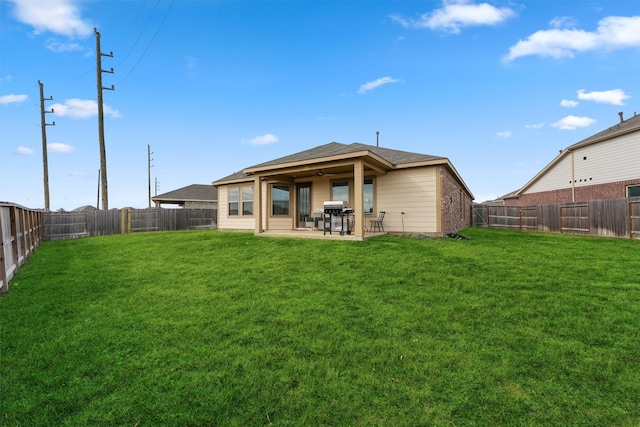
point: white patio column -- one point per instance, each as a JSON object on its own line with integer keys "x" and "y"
{"x": 257, "y": 203}
{"x": 358, "y": 189}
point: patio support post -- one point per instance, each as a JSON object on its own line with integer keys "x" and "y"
{"x": 358, "y": 184}
{"x": 257, "y": 203}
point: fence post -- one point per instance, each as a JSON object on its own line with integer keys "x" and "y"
{"x": 630, "y": 216}
{"x": 3, "y": 268}
{"x": 520, "y": 210}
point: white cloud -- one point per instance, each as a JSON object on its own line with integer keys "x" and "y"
{"x": 615, "y": 96}
{"x": 60, "y": 47}
{"x": 573, "y": 122}
{"x": 24, "y": 150}
{"x": 568, "y": 103}
{"x": 265, "y": 139}
{"x": 13, "y": 98}
{"x": 534, "y": 126}
{"x": 376, "y": 83}
{"x": 82, "y": 109}
{"x": 563, "y": 22}
{"x": 58, "y": 147}
{"x": 57, "y": 16}
{"x": 505, "y": 134}
{"x": 456, "y": 14}
{"x": 613, "y": 32}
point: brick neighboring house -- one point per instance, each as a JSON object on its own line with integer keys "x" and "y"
{"x": 603, "y": 166}
{"x": 194, "y": 196}
{"x": 419, "y": 193}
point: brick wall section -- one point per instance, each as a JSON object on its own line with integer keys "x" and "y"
{"x": 611, "y": 190}
{"x": 456, "y": 203}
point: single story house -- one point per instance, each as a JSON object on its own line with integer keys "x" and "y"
{"x": 194, "y": 196}
{"x": 419, "y": 193}
{"x": 603, "y": 166}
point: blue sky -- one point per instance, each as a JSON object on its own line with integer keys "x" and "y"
{"x": 498, "y": 87}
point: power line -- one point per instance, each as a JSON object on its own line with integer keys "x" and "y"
{"x": 124, "y": 38}
{"x": 140, "y": 35}
{"x": 150, "y": 42}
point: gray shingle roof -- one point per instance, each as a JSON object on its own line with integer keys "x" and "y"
{"x": 628, "y": 125}
{"x": 193, "y": 192}
{"x": 394, "y": 157}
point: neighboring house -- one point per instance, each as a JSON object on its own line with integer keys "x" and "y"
{"x": 194, "y": 196}
{"x": 603, "y": 166}
{"x": 419, "y": 193}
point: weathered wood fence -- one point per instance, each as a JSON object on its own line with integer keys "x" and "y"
{"x": 73, "y": 225}
{"x": 22, "y": 231}
{"x": 611, "y": 217}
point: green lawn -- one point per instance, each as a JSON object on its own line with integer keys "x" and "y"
{"x": 209, "y": 328}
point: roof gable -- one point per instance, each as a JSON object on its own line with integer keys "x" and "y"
{"x": 627, "y": 126}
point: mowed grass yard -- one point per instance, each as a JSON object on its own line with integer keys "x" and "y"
{"x": 208, "y": 328}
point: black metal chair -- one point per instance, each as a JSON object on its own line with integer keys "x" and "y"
{"x": 376, "y": 224}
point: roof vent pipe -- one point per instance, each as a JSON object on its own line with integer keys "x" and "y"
{"x": 377, "y": 138}
{"x": 621, "y": 119}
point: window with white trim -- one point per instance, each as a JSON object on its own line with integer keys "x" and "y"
{"x": 633, "y": 191}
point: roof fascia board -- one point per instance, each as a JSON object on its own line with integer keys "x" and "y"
{"x": 434, "y": 162}
{"x": 544, "y": 170}
{"x": 233, "y": 181}
{"x": 303, "y": 165}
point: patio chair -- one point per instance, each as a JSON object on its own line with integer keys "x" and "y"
{"x": 376, "y": 224}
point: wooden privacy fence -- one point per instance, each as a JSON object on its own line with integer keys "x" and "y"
{"x": 22, "y": 231}
{"x": 610, "y": 217}
{"x": 72, "y": 225}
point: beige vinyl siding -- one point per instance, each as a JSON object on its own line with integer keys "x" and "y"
{"x": 412, "y": 191}
{"x": 556, "y": 178}
{"x": 280, "y": 223}
{"x": 611, "y": 161}
{"x": 320, "y": 193}
{"x": 226, "y": 222}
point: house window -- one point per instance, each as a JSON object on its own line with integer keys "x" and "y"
{"x": 247, "y": 200}
{"x": 633, "y": 191}
{"x": 280, "y": 196}
{"x": 234, "y": 198}
{"x": 368, "y": 195}
{"x": 235, "y": 201}
{"x": 340, "y": 191}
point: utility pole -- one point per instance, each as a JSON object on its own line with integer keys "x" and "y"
{"x": 149, "y": 166}
{"x": 45, "y": 162}
{"x": 103, "y": 151}
{"x": 98, "y": 198}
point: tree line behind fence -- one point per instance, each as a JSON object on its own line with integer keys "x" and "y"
{"x": 72, "y": 225}
{"x": 611, "y": 217}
